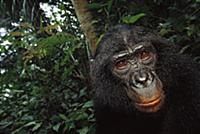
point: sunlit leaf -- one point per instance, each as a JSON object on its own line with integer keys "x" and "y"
{"x": 25, "y": 25}
{"x": 17, "y": 34}
{"x": 132, "y": 18}
{"x": 30, "y": 123}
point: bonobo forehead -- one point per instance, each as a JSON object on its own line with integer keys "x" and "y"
{"x": 122, "y": 37}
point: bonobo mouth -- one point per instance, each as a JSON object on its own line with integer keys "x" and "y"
{"x": 148, "y": 98}
{"x": 150, "y": 103}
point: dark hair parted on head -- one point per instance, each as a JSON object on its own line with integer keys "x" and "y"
{"x": 144, "y": 85}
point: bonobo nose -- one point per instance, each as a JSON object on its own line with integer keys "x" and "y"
{"x": 141, "y": 77}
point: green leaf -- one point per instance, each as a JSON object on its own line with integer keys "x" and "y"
{"x": 110, "y": 2}
{"x": 132, "y": 18}
{"x": 16, "y": 131}
{"x": 38, "y": 125}
{"x": 164, "y": 31}
{"x": 30, "y": 123}
{"x": 83, "y": 130}
{"x": 81, "y": 116}
{"x": 62, "y": 116}
{"x": 88, "y": 104}
{"x": 78, "y": 115}
{"x": 1, "y": 112}
{"x": 56, "y": 127}
{"x": 57, "y": 39}
{"x": 4, "y": 124}
{"x": 94, "y": 6}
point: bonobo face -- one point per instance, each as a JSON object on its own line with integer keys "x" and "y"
{"x": 135, "y": 66}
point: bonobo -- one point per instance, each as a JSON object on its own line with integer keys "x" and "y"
{"x": 143, "y": 85}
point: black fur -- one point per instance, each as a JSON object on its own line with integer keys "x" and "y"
{"x": 179, "y": 74}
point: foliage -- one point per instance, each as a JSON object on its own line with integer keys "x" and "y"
{"x": 39, "y": 87}
{"x": 43, "y": 81}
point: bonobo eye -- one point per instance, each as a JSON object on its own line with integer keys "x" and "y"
{"x": 145, "y": 56}
{"x": 121, "y": 64}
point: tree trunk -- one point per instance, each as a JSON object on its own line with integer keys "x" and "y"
{"x": 85, "y": 19}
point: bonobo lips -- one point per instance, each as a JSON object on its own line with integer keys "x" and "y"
{"x": 151, "y": 106}
{"x": 150, "y": 103}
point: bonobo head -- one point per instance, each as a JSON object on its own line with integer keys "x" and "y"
{"x": 135, "y": 66}
{"x": 126, "y": 67}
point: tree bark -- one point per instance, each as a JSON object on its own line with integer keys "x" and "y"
{"x": 85, "y": 19}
